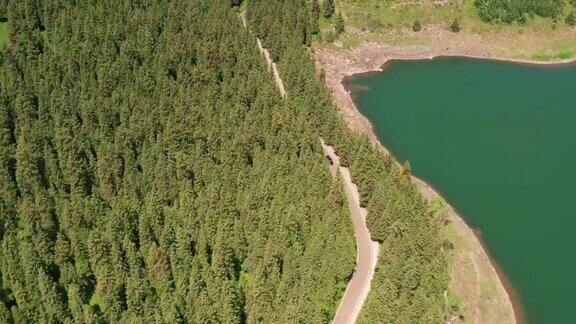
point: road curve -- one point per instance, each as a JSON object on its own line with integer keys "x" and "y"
{"x": 367, "y": 250}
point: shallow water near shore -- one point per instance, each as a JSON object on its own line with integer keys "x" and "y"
{"x": 499, "y": 142}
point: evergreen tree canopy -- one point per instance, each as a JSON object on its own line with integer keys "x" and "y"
{"x": 150, "y": 172}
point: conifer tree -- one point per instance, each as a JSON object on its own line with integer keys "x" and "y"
{"x": 455, "y": 26}
{"x": 571, "y": 19}
{"x": 315, "y": 10}
{"x": 329, "y": 8}
{"x": 339, "y": 23}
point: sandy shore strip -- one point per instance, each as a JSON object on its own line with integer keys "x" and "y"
{"x": 337, "y": 64}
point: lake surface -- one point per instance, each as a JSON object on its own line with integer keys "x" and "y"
{"x": 499, "y": 142}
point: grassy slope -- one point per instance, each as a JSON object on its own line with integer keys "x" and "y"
{"x": 538, "y": 39}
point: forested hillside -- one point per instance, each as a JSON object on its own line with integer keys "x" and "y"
{"x": 150, "y": 172}
{"x": 412, "y": 274}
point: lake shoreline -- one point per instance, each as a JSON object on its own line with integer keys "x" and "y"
{"x": 339, "y": 65}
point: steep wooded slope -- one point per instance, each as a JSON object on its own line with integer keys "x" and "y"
{"x": 149, "y": 171}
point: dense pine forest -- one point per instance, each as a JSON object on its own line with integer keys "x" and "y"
{"x": 150, "y": 172}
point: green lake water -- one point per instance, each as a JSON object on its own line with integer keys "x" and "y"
{"x": 498, "y": 140}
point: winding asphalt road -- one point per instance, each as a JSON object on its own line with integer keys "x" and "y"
{"x": 367, "y": 250}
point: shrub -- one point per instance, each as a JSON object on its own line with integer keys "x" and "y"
{"x": 417, "y": 26}
{"x": 571, "y": 19}
{"x": 455, "y": 27}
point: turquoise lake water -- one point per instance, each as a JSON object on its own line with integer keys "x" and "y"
{"x": 498, "y": 140}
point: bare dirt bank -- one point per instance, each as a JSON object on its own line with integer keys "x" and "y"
{"x": 485, "y": 294}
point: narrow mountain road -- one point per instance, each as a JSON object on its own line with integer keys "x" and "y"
{"x": 271, "y": 64}
{"x": 367, "y": 250}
